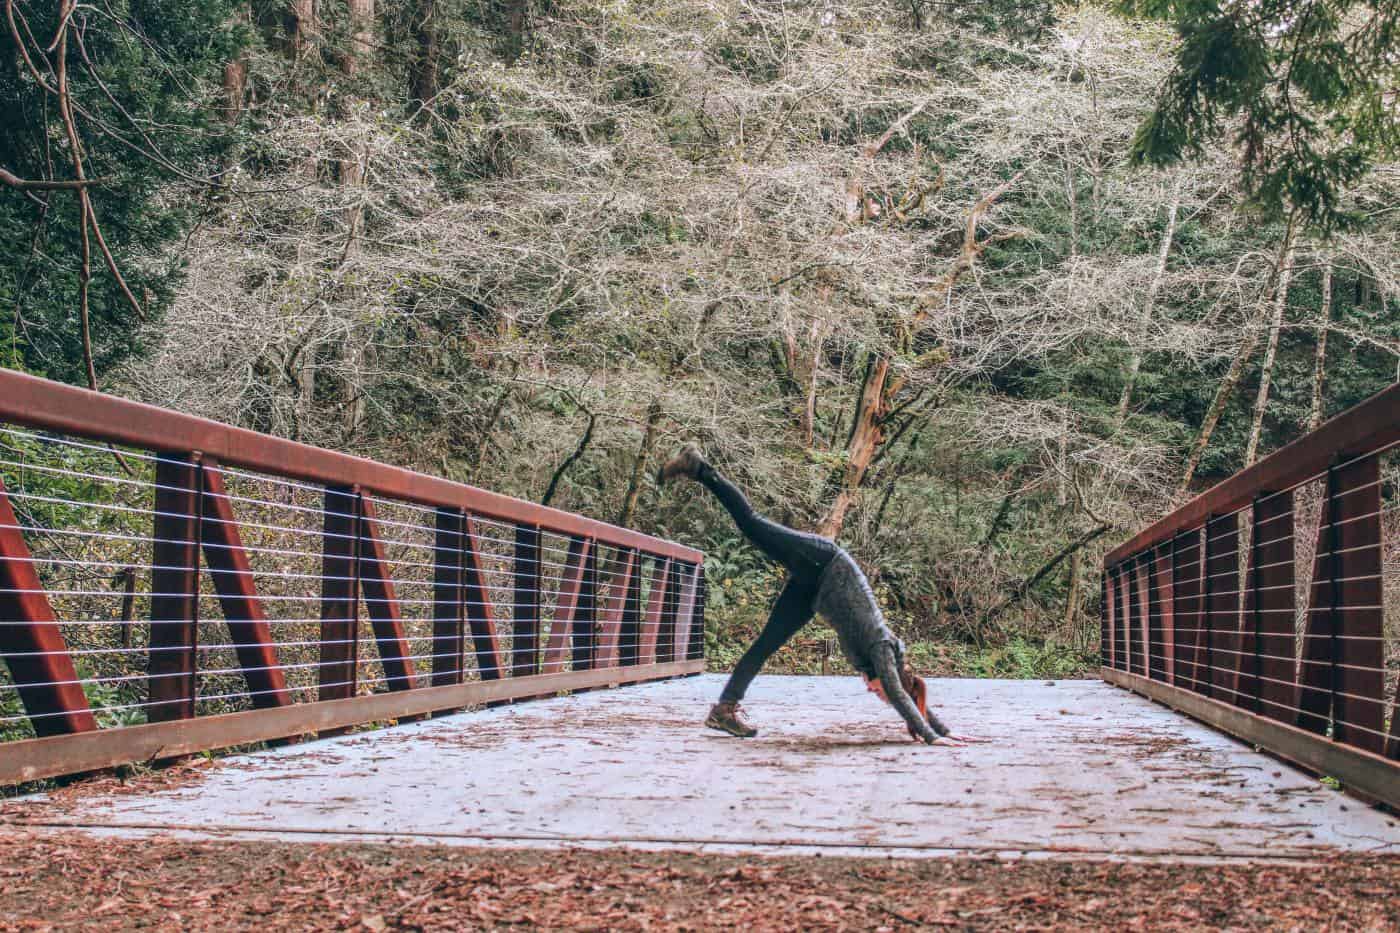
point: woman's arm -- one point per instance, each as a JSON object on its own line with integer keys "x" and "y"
{"x": 882, "y": 658}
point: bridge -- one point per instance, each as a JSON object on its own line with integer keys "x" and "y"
{"x": 404, "y": 658}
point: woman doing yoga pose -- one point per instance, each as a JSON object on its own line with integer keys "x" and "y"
{"x": 822, "y": 578}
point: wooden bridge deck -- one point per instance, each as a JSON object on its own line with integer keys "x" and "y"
{"x": 1077, "y": 769}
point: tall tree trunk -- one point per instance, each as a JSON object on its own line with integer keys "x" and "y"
{"x": 1149, "y": 305}
{"x": 352, "y": 170}
{"x": 639, "y": 465}
{"x": 1072, "y": 597}
{"x": 352, "y": 176}
{"x": 809, "y": 413}
{"x": 1072, "y": 196}
{"x": 867, "y": 434}
{"x": 1062, "y": 456}
{"x": 235, "y": 81}
{"x": 301, "y": 28}
{"x": 356, "y": 360}
{"x": 423, "y": 74}
{"x": 1266, "y": 371}
{"x": 1217, "y": 407}
{"x": 361, "y": 34}
{"x": 1320, "y": 357}
{"x": 517, "y": 21}
{"x": 299, "y": 369}
{"x": 1232, "y": 378}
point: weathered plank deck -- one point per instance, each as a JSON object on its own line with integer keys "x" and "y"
{"x": 1077, "y": 769}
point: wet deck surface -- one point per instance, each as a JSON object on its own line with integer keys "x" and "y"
{"x": 1077, "y": 769}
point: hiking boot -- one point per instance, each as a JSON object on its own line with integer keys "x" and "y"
{"x": 726, "y": 717}
{"x": 686, "y": 463}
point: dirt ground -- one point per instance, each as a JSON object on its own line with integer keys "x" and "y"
{"x": 71, "y": 881}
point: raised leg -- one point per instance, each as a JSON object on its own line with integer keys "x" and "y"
{"x": 805, "y": 555}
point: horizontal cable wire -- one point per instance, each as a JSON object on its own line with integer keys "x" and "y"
{"x": 254, "y": 549}
{"x": 255, "y": 573}
{"x": 620, "y": 644}
{"x": 1321, "y": 717}
{"x": 268, "y": 621}
{"x": 66, "y": 441}
{"x": 365, "y": 637}
{"x": 1327, "y": 662}
{"x": 289, "y": 689}
{"x": 490, "y": 575}
{"x": 240, "y": 523}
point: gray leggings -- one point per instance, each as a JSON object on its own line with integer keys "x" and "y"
{"x": 805, "y": 556}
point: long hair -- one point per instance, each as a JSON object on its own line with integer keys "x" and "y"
{"x": 916, "y": 688}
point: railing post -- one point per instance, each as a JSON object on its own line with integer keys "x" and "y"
{"x": 1317, "y": 680}
{"x": 685, "y": 612}
{"x": 1276, "y": 638}
{"x": 615, "y": 611}
{"x": 1158, "y": 612}
{"x": 1105, "y": 646}
{"x": 1190, "y": 600}
{"x": 1110, "y": 585}
{"x": 1124, "y": 653}
{"x": 1172, "y": 632}
{"x": 586, "y": 613}
{"x": 170, "y": 672}
{"x": 697, "y": 627}
{"x": 1359, "y": 631}
{"x": 670, "y": 612}
{"x": 340, "y": 593}
{"x": 656, "y": 602}
{"x": 1254, "y": 610}
{"x": 448, "y": 641}
{"x": 1343, "y": 653}
{"x": 630, "y": 630}
{"x": 1142, "y": 572}
{"x": 1205, "y": 637}
{"x": 1133, "y": 609}
{"x": 525, "y": 644}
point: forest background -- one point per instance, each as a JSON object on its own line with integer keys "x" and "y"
{"x": 931, "y": 278}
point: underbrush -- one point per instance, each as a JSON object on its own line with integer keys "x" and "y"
{"x": 814, "y": 651}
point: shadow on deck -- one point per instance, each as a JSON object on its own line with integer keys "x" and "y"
{"x": 1078, "y": 769}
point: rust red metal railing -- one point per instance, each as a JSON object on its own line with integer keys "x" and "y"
{"x": 1269, "y": 606}
{"x": 286, "y": 589}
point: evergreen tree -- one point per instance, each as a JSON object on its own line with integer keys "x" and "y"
{"x": 1306, "y": 88}
{"x": 109, "y": 147}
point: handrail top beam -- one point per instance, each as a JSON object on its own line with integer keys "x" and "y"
{"x": 40, "y": 403}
